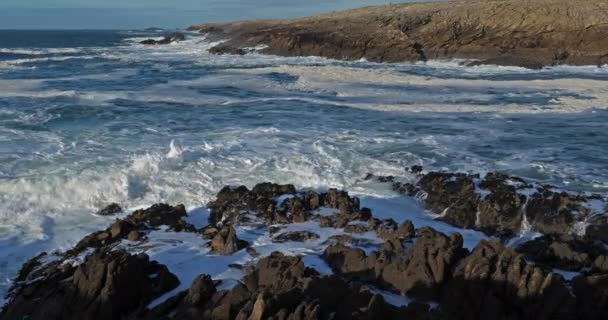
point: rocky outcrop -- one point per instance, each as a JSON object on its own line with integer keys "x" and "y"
{"x": 171, "y": 38}
{"x": 98, "y": 279}
{"x": 503, "y": 205}
{"x": 226, "y": 242}
{"x": 566, "y": 252}
{"x": 281, "y": 287}
{"x": 530, "y": 34}
{"x": 494, "y": 282}
{"x": 107, "y": 285}
{"x": 592, "y": 296}
{"x": 418, "y": 271}
{"x": 134, "y": 226}
{"x": 235, "y": 205}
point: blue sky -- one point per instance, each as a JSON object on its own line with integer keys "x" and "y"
{"x": 128, "y": 14}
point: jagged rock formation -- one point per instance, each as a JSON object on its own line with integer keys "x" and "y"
{"x": 281, "y": 287}
{"x": 133, "y": 226}
{"x": 226, "y": 242}
{"x": 531, "y": 34}
{"x": 417, "y": 272}
{"x": 491, "y": 282}
{"x": 503, "y": 206}
{"x": 567, "y": 252}
{"x": 108, "y": 285}
{"x": 494, "y": 282}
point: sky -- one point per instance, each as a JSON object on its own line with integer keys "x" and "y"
{"x": 133, "y": 14}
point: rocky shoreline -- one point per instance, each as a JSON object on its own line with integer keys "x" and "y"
{"x": 529, "y": 34}
{"x": 100, "y": 278}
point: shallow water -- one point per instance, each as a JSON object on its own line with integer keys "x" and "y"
{"x": 89, "y": 117}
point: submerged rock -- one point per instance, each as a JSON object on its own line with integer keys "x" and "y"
{"x": 171, "y": 38}
{"x": 110, "y": 210}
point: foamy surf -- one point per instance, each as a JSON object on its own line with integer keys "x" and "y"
{"x": 133, "y": 124}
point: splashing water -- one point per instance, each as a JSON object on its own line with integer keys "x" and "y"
{"x": 101, "y": 118}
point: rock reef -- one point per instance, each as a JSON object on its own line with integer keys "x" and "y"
{"x": 530, "y": 34}
{"x": 104, "y": 276}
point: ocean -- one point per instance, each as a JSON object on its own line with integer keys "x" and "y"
{"x": 93, "y": 117}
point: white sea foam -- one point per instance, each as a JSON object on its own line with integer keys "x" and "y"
{"x": 54, "y": 177}
{"x": 357, "y": 83}
{"x": 17, "y": 63}
{"x": 39, "y": 52}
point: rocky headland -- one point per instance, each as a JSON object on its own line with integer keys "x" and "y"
{"x": 523, "y": 33}
{"x": 103, "y": 278}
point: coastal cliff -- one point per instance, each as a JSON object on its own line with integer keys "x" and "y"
{"x": 507, "y": 32}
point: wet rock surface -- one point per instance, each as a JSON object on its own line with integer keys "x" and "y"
{"x": 134, "y": 226}
{"x": 171, "y": 38}
{"x": 566, "y": 252}
{"x": 107, "y": 285}
{"x": 110, "y": 210}
{"x": 282, "y": 287}
{"x": 416, "y": 272}
{"x": 494, "y": 282}
{"x": 297, "y": 236}
{"x": 99, "y": 279}
{"x": 226, "y": 242}
{"x": 503, "y": 205}
{"x": 529, "y": 34}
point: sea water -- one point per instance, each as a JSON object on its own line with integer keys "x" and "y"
{"x": 93, "y": 117}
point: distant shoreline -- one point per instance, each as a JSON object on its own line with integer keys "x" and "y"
{"x": 508, "y": 32}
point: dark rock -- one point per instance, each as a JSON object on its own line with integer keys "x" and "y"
{"x": 295, "y": 236}
{"x": 528, "y": 63}
{"x": 501, "y": 211}
{"x": 406, "y": 189}
{"x": 418, "y": 271}
{"x": 355, "y": 228}
{"x": 552, "y": 212}
{"x": 232, "y": 204}
{"x": 110, "y": 210}
{"x": 598, "y": 228}
{"x": 29, "y": 267}
{"x": 494, "y": 282}
{"x": 592, "y": 296}
{"x": 226, "y": 242}
{"x": 252, "y": 252}
{"x": 171, "y": 38}
{"x": 565, "y": 252}
{"x": 132, "y": 226}
{"x": 107, "y": 285}
{"x": 427, "y": 265}
{"x": 453, "y": 195}
{"x": 416, "y": 169}
{"x": 281, "y": 287}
